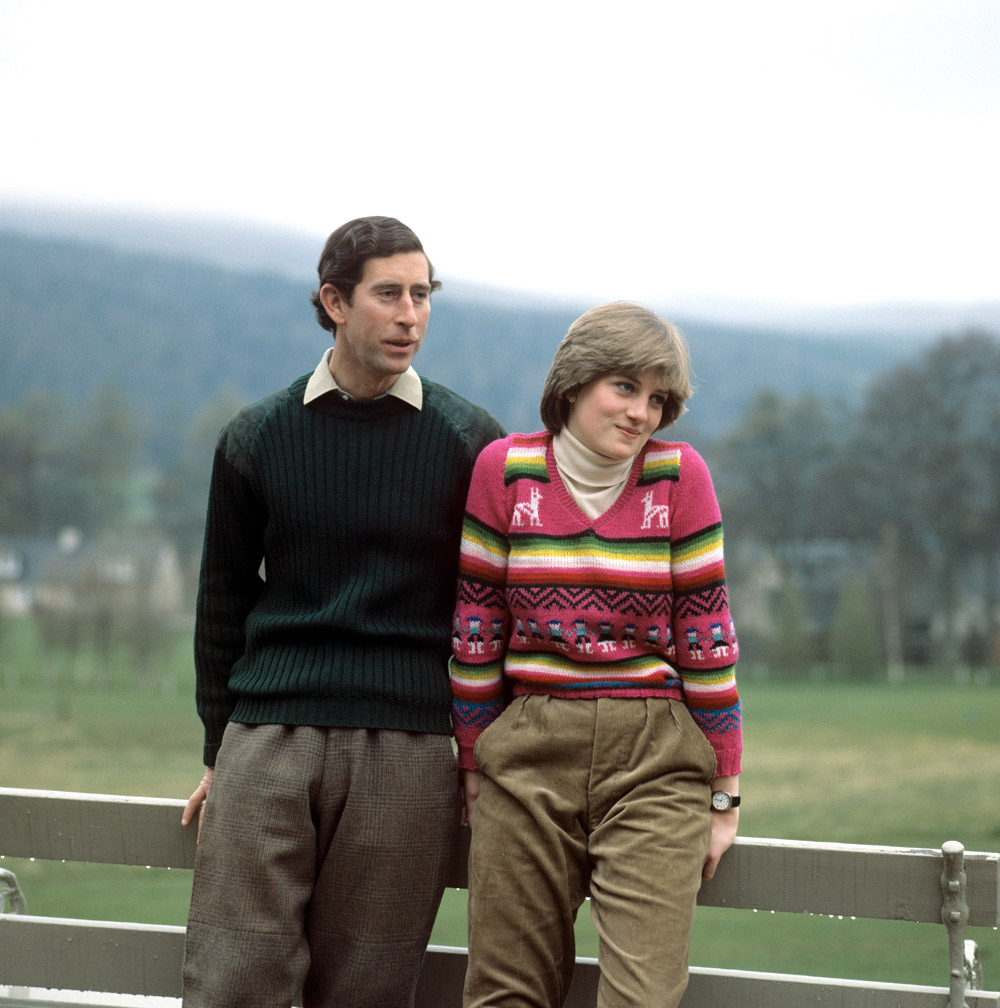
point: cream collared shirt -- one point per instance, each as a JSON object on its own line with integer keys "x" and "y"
{"x": 406, "y": 387}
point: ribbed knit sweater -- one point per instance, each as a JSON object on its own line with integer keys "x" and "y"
{"x": 630, "y": 604}
{"x": 355, "y": 509}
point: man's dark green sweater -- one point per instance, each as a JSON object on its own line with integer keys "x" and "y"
{"x": 355, "y": 509}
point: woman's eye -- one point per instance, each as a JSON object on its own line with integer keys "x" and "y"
{"x": 658, "y": 400}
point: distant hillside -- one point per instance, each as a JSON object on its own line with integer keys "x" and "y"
{"x": 174, "y": 332}
{"x": 259, "y": 248}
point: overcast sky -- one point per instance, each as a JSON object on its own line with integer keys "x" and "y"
{"x": 792, "y": 152}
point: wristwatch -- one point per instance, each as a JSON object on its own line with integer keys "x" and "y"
{"x": 723, "y": 801}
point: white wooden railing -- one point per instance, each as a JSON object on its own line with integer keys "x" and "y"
{"x": 951, "y": 889}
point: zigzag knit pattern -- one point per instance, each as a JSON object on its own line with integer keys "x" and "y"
{"x": 635, "y": 603}
{"x": 632, "y": 604}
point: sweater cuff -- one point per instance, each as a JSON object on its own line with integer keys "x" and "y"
{"x": 727, "y": 760}
{"x": 210, "y": 753}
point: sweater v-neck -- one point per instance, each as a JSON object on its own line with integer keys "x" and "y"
{"x": 580, "y": 518}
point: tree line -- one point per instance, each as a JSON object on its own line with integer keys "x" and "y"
{"x": 862, "y": 535}
{"x": 900, "y": 494}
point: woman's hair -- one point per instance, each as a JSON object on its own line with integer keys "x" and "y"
{"x": 617, "y": 338}
{"x": 348, "y": 250}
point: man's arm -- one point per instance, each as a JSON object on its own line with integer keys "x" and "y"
{"x": 229, "y": 586}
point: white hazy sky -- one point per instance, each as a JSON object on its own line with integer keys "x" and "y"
{"x": 792, "y": 152}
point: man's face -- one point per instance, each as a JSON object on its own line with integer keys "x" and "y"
{"x": 382, "y": 328}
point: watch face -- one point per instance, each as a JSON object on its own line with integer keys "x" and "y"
{"x": 721, "y": 801}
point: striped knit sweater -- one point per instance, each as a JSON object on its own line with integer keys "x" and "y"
{"x": 632, "y": 604}
{"x": 356, "y": 510}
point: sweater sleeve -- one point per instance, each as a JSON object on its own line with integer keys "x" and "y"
{"x": 482, "y": 618}
{"x": 701, "y": 623}
{"x": 229, "y": 586}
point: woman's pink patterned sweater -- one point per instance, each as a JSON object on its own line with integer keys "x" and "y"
{"x": 631, "y": 604}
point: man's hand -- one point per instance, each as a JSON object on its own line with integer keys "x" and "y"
{"x": 470, "y": 781}
{"x": 196, "y": 803}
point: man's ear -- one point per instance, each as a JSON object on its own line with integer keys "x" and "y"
{"x": 333, "y": 302}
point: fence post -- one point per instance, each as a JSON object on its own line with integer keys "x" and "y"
{"x": 955, "y": 916}
{"x": 10, "y": 889}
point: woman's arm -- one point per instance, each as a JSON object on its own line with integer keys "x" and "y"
{"x": 482, "y": 620}
{"x": 724, "y": 826}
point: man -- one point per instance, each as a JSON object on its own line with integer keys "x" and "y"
{"x": 323, "y": 631}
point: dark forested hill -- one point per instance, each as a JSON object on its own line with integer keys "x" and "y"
{"x": 174, "y": 333}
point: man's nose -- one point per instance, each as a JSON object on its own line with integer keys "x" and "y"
{"x": 407, "y": 312}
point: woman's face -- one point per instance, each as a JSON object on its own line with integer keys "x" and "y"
{"x": 614, "y": 415}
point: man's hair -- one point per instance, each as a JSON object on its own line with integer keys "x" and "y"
{"x": 349, "y": 248}
{"x": 618, "y": 338}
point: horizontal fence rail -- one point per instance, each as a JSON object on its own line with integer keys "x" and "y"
{"x": 101, "y": 829}
{"x": 886, "y": 883}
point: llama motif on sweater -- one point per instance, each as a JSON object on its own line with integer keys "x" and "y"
{"x": 634, "y": 602}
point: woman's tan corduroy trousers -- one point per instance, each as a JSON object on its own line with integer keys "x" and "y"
{"x": 606, "y": 797}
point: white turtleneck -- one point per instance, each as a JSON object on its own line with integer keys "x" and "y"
{"x": 594, "y": 481}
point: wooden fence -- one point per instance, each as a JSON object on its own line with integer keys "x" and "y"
{"x": 951, "y": 888}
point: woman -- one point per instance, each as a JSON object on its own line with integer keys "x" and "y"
{"x": 595, "y": 705}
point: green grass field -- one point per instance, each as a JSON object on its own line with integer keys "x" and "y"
{"x": 855, "y": 763}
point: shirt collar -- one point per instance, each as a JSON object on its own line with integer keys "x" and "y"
{"x": 406, "y": 387}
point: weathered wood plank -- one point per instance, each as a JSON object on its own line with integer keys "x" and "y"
{"x": 710, "y": 988}
{"x": 34, "y": 997}
{"x": 799, "y": 877}
{"x": 91, "y": 955}
{"x": 143, "y": 959}
{"x": 848, "y": 880}
{"x": 885, "y": 883}
{"x": 104, "y": 829}
{"x": 444, "y": 972}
